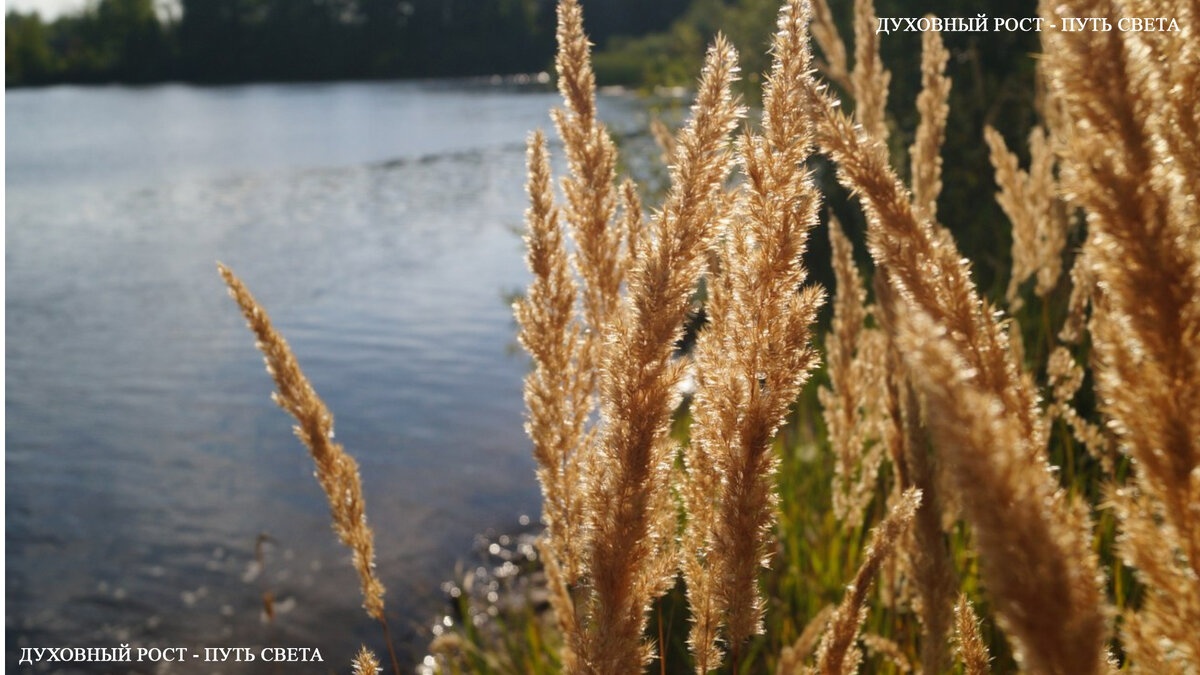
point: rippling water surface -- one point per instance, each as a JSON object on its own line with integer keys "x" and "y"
{"x": 144, "y": 458}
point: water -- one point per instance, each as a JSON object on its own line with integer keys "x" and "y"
{"x": 375, "y": 222}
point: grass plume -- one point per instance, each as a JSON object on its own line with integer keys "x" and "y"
{"x": 556, "y": 396}
{"x": 869, "y": 80}
{"x": 365, "y": 663}
{"x": 926, "y": 554}
{"x": 837, "y": 654}
{"x": 337, "y": 472}
{"x": 1036, "y": 552}
{"x": 589, "y": 187}
{"x": 752, "y": 357}
{"x": 971, "y": 650}
{"x": 1030, "y": 201}
{"x": 1133, "y": 164}
{"x": 850, "y": 403}
{"x": 825, "y": 32}
{"x": 925, "y": 152}
{"x": 629, "y": 494}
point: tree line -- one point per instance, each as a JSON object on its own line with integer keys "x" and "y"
{"x": 222, "y": 41}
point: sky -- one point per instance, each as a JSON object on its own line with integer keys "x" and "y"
{"x": 47, "y": 8}
{"x": 50, "y": 9}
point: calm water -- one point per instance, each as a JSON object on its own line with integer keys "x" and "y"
{"x": 144, "y": 457}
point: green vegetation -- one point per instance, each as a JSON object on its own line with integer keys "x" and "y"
{"x": 114, "y": 40}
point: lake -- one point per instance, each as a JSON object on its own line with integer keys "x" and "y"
{"x": 378, "y": 224}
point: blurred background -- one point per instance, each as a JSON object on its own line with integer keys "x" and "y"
{"x": 360, "y": 164}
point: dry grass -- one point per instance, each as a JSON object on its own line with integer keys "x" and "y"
{"x": 837, "y": 653}
{"x": 1132, "y": 163}
{"x": 925, "y": 154}
{"x": 1030, "y": 200}
{"x": 751, "y": 360}
{"x": 852, "y": 401}
{"x": 365, "y": 663}
{"x": 869, "y": 80}
{"x": 964, "y": 472}
{"x": 825, "y": 34}
{"x": 631, "y": 561}
{"x": 1036, "y": 551}
{"x": 968, "y": 642}
{"x": 558, "y": 399}
{"x": 337, "y": 472}
{"x": 928, "y": 563}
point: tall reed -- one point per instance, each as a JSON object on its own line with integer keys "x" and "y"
{"x": 1133, "y": 164}
{"x": 825, "y": 33}
{"x": 556, "y": 394}
{"x": 591, "y": 194}
{"x": 632, "y": 556}
{"x": 925, "y": 152}
{"x": 976, "y": 398}
{"x": 944, "y": 370}
{"x": 752, "y": 358}
{"x": 927, "y": 556}
{"x": 837, "y": 654}
{"x": 1036, "y": 552}
{"x": 850, "y": 404}
{"x": 869, "y": 80}
{"x": 621, "y": 350}
{"x": 337, "y": 472}
{"x": 1029, "y": 199}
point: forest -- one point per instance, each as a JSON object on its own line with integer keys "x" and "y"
{"x": 225, "y": 41}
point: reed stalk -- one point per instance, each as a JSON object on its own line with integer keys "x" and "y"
{"x": 752, "y": 358}
{"x": 556, "y": 392}
{"x": 850, "y": 404}
{"x": 925, "y": 151}
{"x": 969, "y": 645}
{"x": 837, "y": 654}
{"x": 1132, "y": 162}
{"x": 337, "y": 472}
{"x": 1035, "y": 553}
{"x": 631, "y": 560}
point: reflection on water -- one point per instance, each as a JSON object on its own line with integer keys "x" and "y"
{"x": 144, "y": 457}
